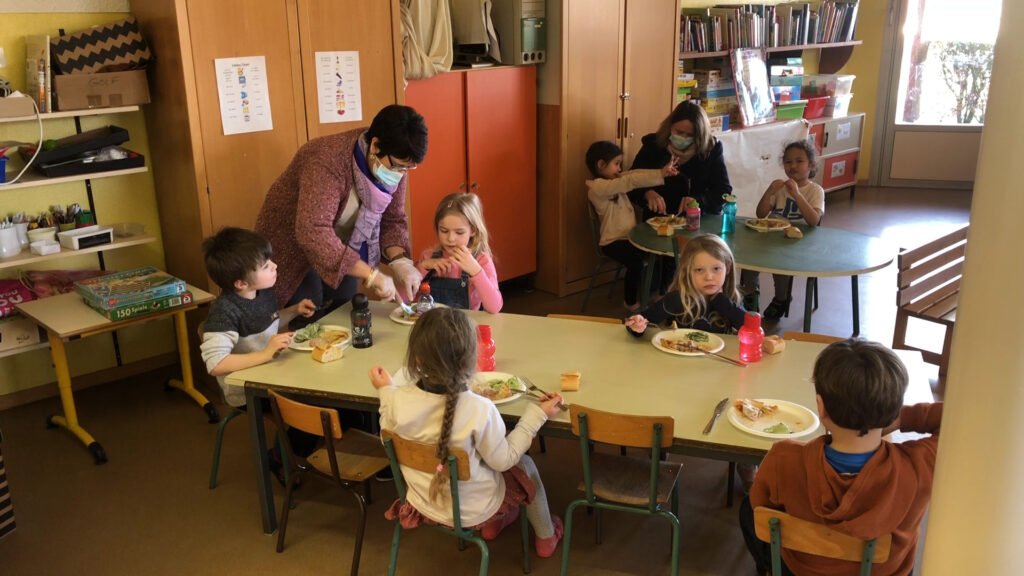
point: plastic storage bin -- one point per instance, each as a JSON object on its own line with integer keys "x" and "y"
{"x": 838, "y": 106}
{"x": 815, "y": 107}
{"x": 828, "y": 85}
{"x": 793, "y": 110}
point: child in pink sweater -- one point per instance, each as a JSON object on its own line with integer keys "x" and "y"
{"x": 460, "y": 270}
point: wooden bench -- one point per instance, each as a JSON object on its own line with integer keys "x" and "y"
{"x": 928, "y": 288}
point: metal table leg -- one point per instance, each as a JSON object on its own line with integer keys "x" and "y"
{"x": 264, "y": 491}
{"x": 69, "y": 421}
{"x": 855, "y": 295}
{"x": 186, "y": 384}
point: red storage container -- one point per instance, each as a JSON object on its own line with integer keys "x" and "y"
{"x": 815, "y": 107}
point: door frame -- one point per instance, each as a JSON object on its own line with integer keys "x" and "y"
{"x": 884, "y": 135}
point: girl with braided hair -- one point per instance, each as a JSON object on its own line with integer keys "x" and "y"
{"x": 437, "y": 407}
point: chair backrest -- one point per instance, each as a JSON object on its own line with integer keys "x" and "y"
{"x": 315, "y": 420}
{"x": 810, "y": 337}
{"x": 622, "y": 429}
{"x": 929, "y": 275}
{"x": 595, "y": 229}
{"x": 422, "y": 456}
{"x": 817, "y": 539}
{"x": 601, "y": 319}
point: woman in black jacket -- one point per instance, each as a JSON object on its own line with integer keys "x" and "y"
{"x": 686, "y": 136}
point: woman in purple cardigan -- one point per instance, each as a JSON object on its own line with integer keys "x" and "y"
{"x": 338, "y": 211}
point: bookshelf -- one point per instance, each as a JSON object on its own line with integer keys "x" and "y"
{"x": 27, "y": 257}
{"x": 71, "y": 114}
{"x": 31, "y": 179}
{"x": 833, "y": 55}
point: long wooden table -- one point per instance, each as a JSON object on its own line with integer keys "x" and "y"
{"x": 822, "y": 252}
{"x": 66, "y": 317}
{"x": 620, "y": 374}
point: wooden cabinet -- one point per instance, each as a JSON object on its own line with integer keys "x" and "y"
{"x": 206, "y": 180}
{"x": 483, "y": 139}
{"x": 614, "y": 81}
{"x": 838, "y": 143}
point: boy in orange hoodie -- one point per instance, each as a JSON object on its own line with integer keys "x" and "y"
{"x": 851, "y": 479}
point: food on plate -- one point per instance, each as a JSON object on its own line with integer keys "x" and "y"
{"x": 308, "y": 333}
{"x": 666, "y": 230}
{"x": 773, "y": 344}
{"x": 768, "y": 223}
{"x": 687, "y": 342}
{"x": 328, "y": 353}
{"x": 754, "y": 409}
{"x": 570, "y": 381}
{"x": 794, "y": 232}
{"x": 698, "y": 336}
{"x": 497, "y": 388}
{"x": 671, "y": 220}
{"x": 779, "y": 428}
{"x": 329, "y": 338}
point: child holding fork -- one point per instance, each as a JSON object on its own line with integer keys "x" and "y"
{"x": 439, "y": 408}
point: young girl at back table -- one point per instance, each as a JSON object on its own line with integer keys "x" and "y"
{"x": 438, "y": 408}
{"x": 460, "y": 269}
{"x": 705, "y": 295}
{"x": 794, "y": 199}
{"x": 607, "y": 191}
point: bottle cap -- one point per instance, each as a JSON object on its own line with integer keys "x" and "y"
{"x": 425, "y": 288}
{"x": 729, "y": 198}
{"x": 360, "y": 302}
{"x": 752, "y": 320}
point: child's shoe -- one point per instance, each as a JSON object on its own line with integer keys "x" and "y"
{"x": 493, "y": 527}
{"x": 546, "y": 546}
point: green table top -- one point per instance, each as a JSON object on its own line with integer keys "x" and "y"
{"x": 823, "y": 251}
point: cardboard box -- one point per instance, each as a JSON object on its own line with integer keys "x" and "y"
{"x": 16, "y": 107}
{"x": 17, "y": 332}
{"x": 104, "y": 90}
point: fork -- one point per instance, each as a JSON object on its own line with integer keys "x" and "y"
{"x": 543, "y": 394}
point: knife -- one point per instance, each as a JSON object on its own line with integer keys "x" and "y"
{"x": 719, "y": 408}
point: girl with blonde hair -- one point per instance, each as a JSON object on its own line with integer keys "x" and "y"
{"x": 438, "y": 408}
{"x": 459, "y": 268}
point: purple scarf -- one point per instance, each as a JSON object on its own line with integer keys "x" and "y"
{"x": 374, "y": 199}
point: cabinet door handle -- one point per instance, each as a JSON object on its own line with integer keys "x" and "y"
{"x": 473, "y": 186}
{"x": 626, "y": 96}
{"x": 618, "y": 128}
{"x": 625, "y": 128}
{"x": 462, "y": 186}
{"x": 825, "y": 145}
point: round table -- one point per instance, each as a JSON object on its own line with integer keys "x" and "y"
{"x": 821, "y": 252}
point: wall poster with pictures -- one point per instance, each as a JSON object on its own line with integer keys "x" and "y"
{"x": 752, "y": 91}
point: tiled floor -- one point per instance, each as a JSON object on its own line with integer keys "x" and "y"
{"x": 148, "y": 510}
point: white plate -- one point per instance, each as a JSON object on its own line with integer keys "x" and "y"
{"x": 801, "y": 420}
{"x": 482, "y": 377}
{"x": 398, "y": 316}
{"x": 326, "y": 327}
{"x": 656, "y": 221}
{"x": 714, "y": 343}
{"x": 755, "y": 224}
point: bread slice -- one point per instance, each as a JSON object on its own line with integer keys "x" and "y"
{"x": 773, "y": 344}
{"x": 793, "y": 232}
{"x": 570, "y": 381}
{"x": 328, "y": 354}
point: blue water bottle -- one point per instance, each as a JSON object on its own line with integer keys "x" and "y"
{"x": 728, "y": 214}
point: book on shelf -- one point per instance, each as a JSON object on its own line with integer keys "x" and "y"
{"x": 151, "y": 306}
{"x": 37, "y": 71}
{"x": 129, "y": 287}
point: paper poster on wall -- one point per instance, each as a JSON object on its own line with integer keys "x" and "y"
{"x": 337, "y": 87}
{"x": 244, "y": 95}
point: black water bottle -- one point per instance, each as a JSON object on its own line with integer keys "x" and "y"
{"x": 362, "y": 322}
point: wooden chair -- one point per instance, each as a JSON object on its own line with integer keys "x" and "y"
{"x": 348, "y": 460}
{"x": 600, "y": 319}
{"x": 423, "y": 457}
{"x": 623, "y": 483}
{"x": 595, "y": 235}
{"x": 928, "y": 288}
{"x": 785, "y": 531}
{"x": 810, "y": 337}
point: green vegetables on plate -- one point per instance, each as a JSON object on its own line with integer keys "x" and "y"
{"x": 698, "y": 336}
{"x": 308, "y": 333}
{"x": 779, "y": 428}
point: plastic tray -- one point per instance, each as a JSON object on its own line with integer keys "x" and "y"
{"x": 135, "y": 161}
{"x": 815, "y": 107}
{"x": 793, "y": 110}
{"x": 77, "y": 144}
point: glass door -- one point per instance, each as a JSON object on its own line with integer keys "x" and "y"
{"x": 941, "y": 65}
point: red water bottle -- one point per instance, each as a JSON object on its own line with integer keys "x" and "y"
{"x": 484, "y": 349}
{"x": 751, "y": 336}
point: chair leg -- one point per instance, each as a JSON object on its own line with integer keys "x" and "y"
{"x": 543, "y": 445}
{"x": 485, "y": 554}
{"x": 674, "y": 504}
{"x": 567, "y": 534}
{"x": 360, "y": 531}
{"x": 368, "y": 491}
{"x": 285, "y": 508}
{"x": 615, "y": 281}
{"x": 525, "y": 529}
{"x": 947, "y": 343}
{"x": 396, "y": 540}
{"x": 218, "y": 443}
{"x": 812, "y": 284}
{"x": 590, "y": 287}
{"x": 675, "y": 540}
{"x": 730, "y": 485}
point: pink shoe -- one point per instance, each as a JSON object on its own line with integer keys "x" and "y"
{"x": 546, "y": 546}
{"x": 493, "y": 527}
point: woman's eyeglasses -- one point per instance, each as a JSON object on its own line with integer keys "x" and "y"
{"x": 400, "y": 167}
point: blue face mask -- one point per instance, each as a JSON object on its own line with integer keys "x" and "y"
{"x": 680, "y": 142}
{"x": 386, "y": 176}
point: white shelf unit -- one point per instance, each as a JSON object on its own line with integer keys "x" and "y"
{"x": 27, "y": 257}
{"x": 71, "y": 114}
{"x": 31, "y": 179}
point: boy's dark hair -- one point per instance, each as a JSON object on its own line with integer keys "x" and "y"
{"x": 234, "y": 254}
{"x": 808, "y": 148}
{"x": 400, "y": 132}
{"x": 602, "y": 150}
{"x": 861, "y": 384}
